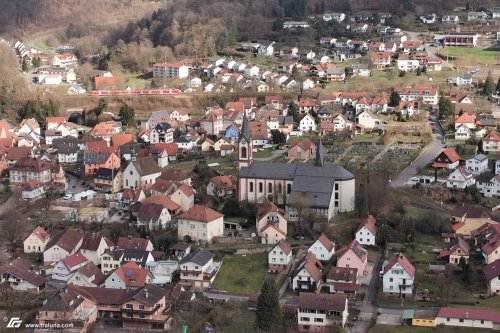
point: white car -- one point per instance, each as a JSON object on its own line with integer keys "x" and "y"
{"x": 68, "y": 196}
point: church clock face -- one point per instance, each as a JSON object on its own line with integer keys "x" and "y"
{"x": 243, "y": 142}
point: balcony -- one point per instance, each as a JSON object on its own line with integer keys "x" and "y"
{"x": 144, "y": 311}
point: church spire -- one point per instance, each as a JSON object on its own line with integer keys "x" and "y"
{"x": 245, "y": 131}
{"x": 320, "y": 154}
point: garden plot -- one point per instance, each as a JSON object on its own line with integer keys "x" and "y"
{"x": 400, "y": 155}
{"x": 359, "y": 155}
{"x": 334, "y": 152}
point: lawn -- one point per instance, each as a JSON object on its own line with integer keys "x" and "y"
{"x": 134, "y": 82}
{"x": 263, "y": 153}
{"x": 242, "y": 274}
{"x": 411, "y": 329}
{"x": 368, "y": 138}
{"x": 471, "y": 56}
{"x": 242, "y": 323}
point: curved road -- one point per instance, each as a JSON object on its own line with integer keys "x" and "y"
{"x": 427, "y": 155}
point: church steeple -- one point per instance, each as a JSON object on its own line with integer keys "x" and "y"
{"x": 244, "y": 144}
{"x": 245, "y": 131}
{"x": 320, "y": 160}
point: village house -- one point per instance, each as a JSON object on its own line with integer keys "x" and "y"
{"x": 21, "y": 275}
{"x": 466, "y": 317}
{"x": 448, "y": 159}
{"x": 456, "y": 249}
{"x": 161, "y": 133}
{"x": 307, "y": 124}
{"x": 27, "y": 169}
{"x": 65, "y": 268}
{"x": 181, "y": 249}
{"x": 477, "y": 164}
{"x": 94, "y": 160}
{"x": 343, "y": 280}
{"x": 62, "y": 245}
{"x": 157, "y": 117}
{"x": 488, "y": 184}
{"x": 368, "y": 120}
{"x": 184, "y": 197}
{"x": 155, "y": 212}
{"x": 198, "y": 269}
{"x": 36, "y": 241}
{"x": 492, "y": 274}
{"x": 271, "y": 223}
{"x": 93, "y": 246}
{"x": 163, "y": 271}
{"x": 200, "y": 223}
{"x": 128, "y": 276}
{"x": 108, "y": 180}
{"x": 140, "y": 172}
{"x": 398, "y": 278}
{"x": 170, "y": 71}
{"x": 353, "y": 255}
{"x": 307, "y": 276}
{"x": 323, "y": 248}
{"x": 106, "y": 130}
{"x": 220, "y": 186}
{"x": 68, "y": 305}
{"x": 426, "y": 94}
{"x": 302, "y": 150}
{"x": 280, "y": 257}
{"x": 367, "y": 231}
{"x": 360, "y": 70}
{"x": 88, "y": 275}
{"x": 460, "y": 179}
{"x": 491, "y": 142}
{"x": 319, "y": 312}
{"x": 110, "y": 260}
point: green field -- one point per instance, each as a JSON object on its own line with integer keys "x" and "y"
{"x": 471, "y": 56}
{"x": 368, "y": 138}
{"x": 134, "y": 82}
{"x": 242, "y": 275}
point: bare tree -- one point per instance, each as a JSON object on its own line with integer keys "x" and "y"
{"x": 12, "y": 222}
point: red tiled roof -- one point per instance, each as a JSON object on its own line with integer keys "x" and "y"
{"x": 358, "y": 250}
{"x": 474, "y": 314}
{"x": 132, "y": 275}
{"x": 285, "y": 246}
{"x": 369, "y": 222}
{"x": 327, "y": 243}
{"x": 132, "y": 243}
{"x": 186, "y": 189}
{"x": 161, "y": 200}
{"x": 268, "y": 207}
{"x": 22, "y": 269}
{"x": 404, "y": 262}
{"x": 236, "y": 106}
{"x": 492, "y": 270}
{"x": 222, "y": 182}
{"x": 327, "y": 302}
{"x": 305, "y": 144}
{"x": 73, "y": 260}
{"x": 272, "y": 226}
{"x": 67, "y": 240}
{"x": 492, "y": 136}
{"x": 201, "y": 213}
{"x": 102, "y": 82}
{"x": 451, "y": 154}
{"x": 120, "y": 139}
{"x": 40, "y": 233}
{"x": 457, "y": 226}
{"x": 466, "y": 118}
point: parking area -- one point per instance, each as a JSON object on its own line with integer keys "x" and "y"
{"x": 389, "y": 319}
{"x": 365, "y": 279}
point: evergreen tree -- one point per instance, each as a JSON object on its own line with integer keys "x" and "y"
{"x": 24, "y": 65}
{"x": 489, "y": 86}
{"x": 5, "y": 96}
{"x": 293, "y": 110}
{"x": 394, "y": 99}
{"x": 36, "y": 62}
{"x": 126, "y": 115}
{"x": 419, "y": 71}
{"x": 268, "y": 308}
{"x": 446, "y": 107}
{"x": 101, "y": 107}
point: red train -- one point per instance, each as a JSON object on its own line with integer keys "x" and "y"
{"x": 136, "y": 92}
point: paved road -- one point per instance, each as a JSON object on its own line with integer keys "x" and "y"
{"x": 368, "y": 311}
{"x": 426, "y": 156}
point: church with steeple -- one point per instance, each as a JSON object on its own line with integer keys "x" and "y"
{"x": 324, "y": 189}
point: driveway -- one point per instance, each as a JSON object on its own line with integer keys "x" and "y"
{"x": 426, "y": 156}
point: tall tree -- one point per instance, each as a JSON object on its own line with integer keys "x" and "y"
{"x": 498, "y": 84}
{"x": 268, "y": 308}
{"x": 24, "y": 65}
{"x": 126, "y": 115}
{"x": 489, "y": 86}
{"x": 446, "y": 107}
{"x": 101, "y": 107}
{"x": 394, "y": 99}
{"x": 5, "y": 96}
